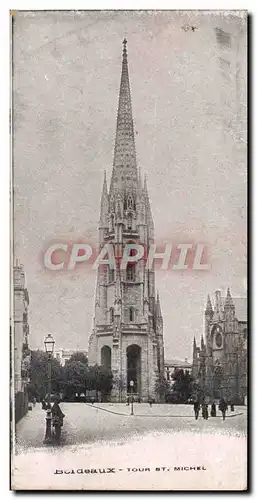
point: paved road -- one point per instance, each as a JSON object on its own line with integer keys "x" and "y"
{"x": 86, "y": 423}
{"x": 103, "y": 436}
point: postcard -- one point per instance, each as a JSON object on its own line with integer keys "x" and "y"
{"x": 129, "y": 250}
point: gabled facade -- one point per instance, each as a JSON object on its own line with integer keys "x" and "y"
{"x": 220, "y": 364}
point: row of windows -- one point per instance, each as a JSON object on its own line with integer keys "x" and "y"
{"x": 129, "y": 222}
{"x": 131, "y": 315}
{"x": 130, "y": 273}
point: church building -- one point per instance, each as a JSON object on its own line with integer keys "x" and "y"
{"x": 127, "y": 335}
{"x": 220, "y": 363}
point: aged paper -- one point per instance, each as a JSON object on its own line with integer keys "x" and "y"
{"x": 129, "y": 262}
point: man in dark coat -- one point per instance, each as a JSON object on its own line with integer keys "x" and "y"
{"x": 213, "y": 410}
{"x": 57, "y": 419}
{"x": 223, "y": 408}
{"x": 196, "y": 409}
{"x": 44, "y": 405}
{"x": 205, "y": 413}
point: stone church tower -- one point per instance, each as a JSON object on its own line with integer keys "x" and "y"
{"x": 128, "y": 326}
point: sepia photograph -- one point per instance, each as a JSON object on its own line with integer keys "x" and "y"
{"x": 129, "y": 326}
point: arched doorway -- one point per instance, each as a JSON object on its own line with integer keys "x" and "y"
{"x": 134, "y": 368}
{"x": 106, "y": 357}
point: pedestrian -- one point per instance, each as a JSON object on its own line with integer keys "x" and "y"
{"x": 196, "y": 409}
{"x": 150, "y": 403}
{"x": 213, "y": 409}
{"x": 57, "y": 419}
{"x": 44, "y": 405}
{"x": 232, "y": 407}
{"x": 223, "y": 407}
{"x": 205, "y": 414}
{"x": 34, "y": 401}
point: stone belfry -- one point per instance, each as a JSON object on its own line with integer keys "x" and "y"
{"x": 128, "y": 325}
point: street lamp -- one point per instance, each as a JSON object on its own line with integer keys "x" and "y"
{"x": 49, "y": 348}
{"x": 131, "y": 383}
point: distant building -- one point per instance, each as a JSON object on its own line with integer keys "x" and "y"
{"x": 21, "y": 351}
{"x": 220, "y": 362}
{"x": 63, "y": 355}
{"x": 170, "y": 366}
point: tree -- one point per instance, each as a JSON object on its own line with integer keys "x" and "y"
{"x": 162, "y": 387}
{"x": 74, "y": 380}
{"x": 183, "y": 385}
{"x": 100, "y": 379}
{"x": 38, "y": 374}
{"x": 104, "y": 380}
{"x": 121, "y": 383}
{"x": 78, "y": 356}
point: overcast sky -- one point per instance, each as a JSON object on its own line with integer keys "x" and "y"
{"x": 189, "y": 108}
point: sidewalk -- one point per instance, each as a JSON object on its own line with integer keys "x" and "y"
{"x": 30, "y": 430}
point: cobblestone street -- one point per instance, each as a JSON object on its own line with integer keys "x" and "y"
{"x": 86, "y": 423}
{"x": 163, "y": 439}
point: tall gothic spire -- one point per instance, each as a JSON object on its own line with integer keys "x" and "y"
{"x": 124, "y": 173}
{"x": 194, "y": 349}
{"x": 208, "y": 309}
{"x": 104, "y": 203}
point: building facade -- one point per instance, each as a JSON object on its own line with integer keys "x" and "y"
{"x": 220, "y": 362}
{"x": 170, "y": 366}
{"x": 63, "y": 355}
{"x": 21, "y": 351}
{"x": 128, "y": 326}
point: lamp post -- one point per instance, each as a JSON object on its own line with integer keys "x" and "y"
{"x": 49, "y": 348}
{"x": 131, "y": 383}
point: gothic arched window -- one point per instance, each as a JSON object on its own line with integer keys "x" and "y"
{"x": 132, "y": 314}
{"x": 112, "y": 222}
{"x": 129, "y": 222}
{"x": 130, "y": 202}
{"x": 131, "y": 272}
{"x": 111, "y": 315}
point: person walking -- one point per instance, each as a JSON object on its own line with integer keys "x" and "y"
{"x": 213, "y": 409}
{"x": 205, "y": 413}
{"x": 196, "y": 409}
{"x": 44, "y": 405}
{"x": 223, "y": 407}
{"x": 57, "y": 416}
